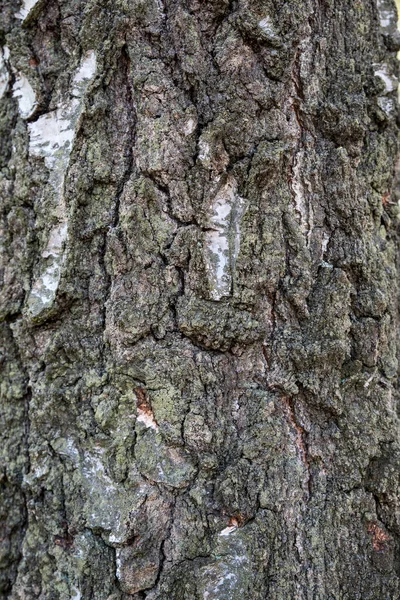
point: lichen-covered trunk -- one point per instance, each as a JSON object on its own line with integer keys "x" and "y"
{"x": 199, "y": 305}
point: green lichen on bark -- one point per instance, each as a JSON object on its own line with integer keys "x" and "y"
{"x": 207, "y": 408}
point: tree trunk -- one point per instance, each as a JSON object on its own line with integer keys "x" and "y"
{"x": 199, "y": 302}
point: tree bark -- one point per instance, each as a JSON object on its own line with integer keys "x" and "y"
{"x": 199, "y": 309}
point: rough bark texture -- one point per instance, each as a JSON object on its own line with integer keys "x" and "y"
{"x": 200, "y": 300}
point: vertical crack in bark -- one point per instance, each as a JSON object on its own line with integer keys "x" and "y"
{"x": 131, "y": 137}
{"x": 125, "y": 60}
{"x": 297, "y": 167}
{"x": 163, "y": 556}
{"x": 300, "y": 441}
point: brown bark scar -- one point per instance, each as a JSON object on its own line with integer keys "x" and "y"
{"x": 379, "y": 537}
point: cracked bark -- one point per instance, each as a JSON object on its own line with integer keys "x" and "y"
{"x": 204, "y": 406}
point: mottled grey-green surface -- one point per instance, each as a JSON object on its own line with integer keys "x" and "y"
{"x": 200, "y": 300}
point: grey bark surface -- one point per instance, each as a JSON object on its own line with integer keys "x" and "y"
{"x": 199, "y": 309}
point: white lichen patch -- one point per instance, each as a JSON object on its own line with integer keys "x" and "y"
{"x": 4, "y": 72}
{"x": 223, "y": 239}
{"x": 76, "y": 593}
{"x": 94, "y": 471}
{"x": 204, "y": 151}
{"x": 25, "y": 95}
{"x": 26, "y": 8}
{"x": 107, "y": 503}
{"x": 267, "y": 27}
{"x": 391, "y": 82}
{"x": 51, "y": 137}
{"x": 387, "y": 105}
{"x": 229, "y": 574}
{"x": 101, "y": 492}
{"x": 268, "y": 30}
{"x": 46, "y": 285}
{"x": 324, "y": 244}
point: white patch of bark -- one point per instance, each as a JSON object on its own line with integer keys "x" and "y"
{"x": 51, "y": 137}
{"x": 268, "y": 30}
{"x": 387, "y": 16}
{"x": 95, "y": 472}
{"x": 4, "y": 72}
{"x": 390, "y": 81}
{"x": 299, "y": 192}
{"x": 228, "y": 530}
{"x": 190, "y": 126}
{"x": 107, "y": 503}
{"x": 76, "y": 593}
{"x": 266, "y": 25}
{"x": 25, "y": 95}
{"x": 324, "y": 244}
{"x": 223, "y": 239}
{"x": 118, "y": 564}
{"x": 147, "y": 418}
{"x": 300, "y": 185}
{"x": 26, "y": 8}
{"x": 84, "y": 74}
{"x": 104, "y": 499}
{"x": 227, "y": 575}
{"x": 387, "y": 105}
{"x": 204, "y": 151}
